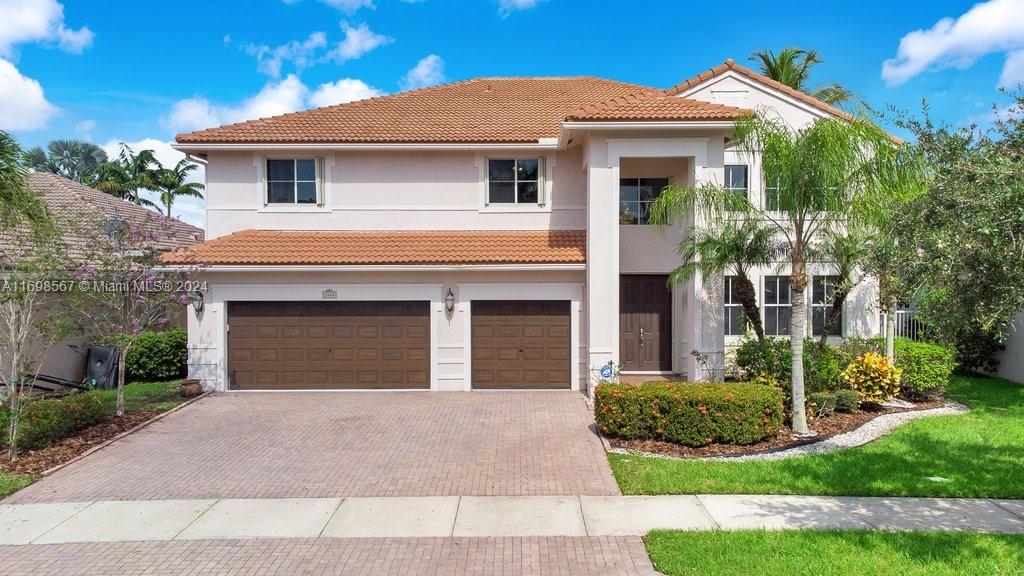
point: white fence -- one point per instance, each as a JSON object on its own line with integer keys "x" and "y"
{"x": 907, "y": 325}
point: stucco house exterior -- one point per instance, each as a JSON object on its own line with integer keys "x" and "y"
{"x": 489, "y": 233}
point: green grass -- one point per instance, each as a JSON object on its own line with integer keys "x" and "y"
{"x": 979, "y": 454}
{"x": 851, "y": 553}
{"x": 159, "y": 396}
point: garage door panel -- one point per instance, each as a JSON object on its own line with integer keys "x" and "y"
{"x": 520, "y": 344}
{"x": 294, "y": 345}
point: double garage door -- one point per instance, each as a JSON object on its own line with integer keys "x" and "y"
{"x": 386, "y": 345}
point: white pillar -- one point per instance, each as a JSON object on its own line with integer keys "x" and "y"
{"x": 602, "y": 306}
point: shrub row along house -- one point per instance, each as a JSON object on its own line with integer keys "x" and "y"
{"x": 491, "y": 233}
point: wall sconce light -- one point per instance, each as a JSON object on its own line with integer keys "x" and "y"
{"x": 195, "y": 298}
{"x": 449, "y": 303}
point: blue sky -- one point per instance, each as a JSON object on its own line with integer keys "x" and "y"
{"x": 138, "y": 72}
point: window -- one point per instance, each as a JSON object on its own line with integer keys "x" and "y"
{"x": 778, "y": 305}
{"x": 823, "y": 291}
{"x": 771, "y": 196}
{"x": 293, "y": 181}
{"x": 735, "y": 321}
{"x": 736, "y": 178}
{"x": 514, "y": 181}
{"x": 636, "y": 196}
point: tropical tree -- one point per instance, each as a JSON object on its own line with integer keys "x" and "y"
{"x": 172, "y": 183}
{"x": 129, "y": 174}
{"x": 792, "y": 66}
{"x": 846, "y": 249}
{"x": 823, "y": 176}
{"x": 16, "y": 200}
{"x": 736, "y": 247}
{"x": 74, "y": 159}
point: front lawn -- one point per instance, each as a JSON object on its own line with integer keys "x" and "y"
{"x": 139, "y": 396}
{"x": 848, "y": 553}
{"x": 978, "y": 454}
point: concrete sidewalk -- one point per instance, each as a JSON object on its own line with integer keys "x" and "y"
{"x": 491, "y": 516}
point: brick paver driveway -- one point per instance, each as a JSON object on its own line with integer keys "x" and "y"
{"x": 276, "y": 445}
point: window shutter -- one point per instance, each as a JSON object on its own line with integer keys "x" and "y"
{"x": 541, "y": 181}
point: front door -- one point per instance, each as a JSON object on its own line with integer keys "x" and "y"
{"x": 645, "y": 323}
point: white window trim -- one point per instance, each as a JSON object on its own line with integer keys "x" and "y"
{"x": 324, "y": 166}
{"x": 727, "y": 305}
{"x": 746, "y": 191}
{"x": 765, "y": 305}
{"x": 545, "y": 192}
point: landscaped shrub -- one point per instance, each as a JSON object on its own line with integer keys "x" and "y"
{"x": 821, "y": 404}
{"x": 689, "y": 414}
{"x": 158, "y": 355}
{"x": 852, "y": 348}
{"x": 847, "y": 401}
{"x": 48, "y": 420}
{"x": 926, "y": 367}
{"x": 873, "y": 378}
{"x": 772, "y": 357}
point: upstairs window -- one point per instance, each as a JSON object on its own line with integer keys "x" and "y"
{"x": 778, "y": 305}
{"x": 735, "y": 321}
{"x": 823, "y": 292}
{"x": 636, "y": 196}
{"x": 515, "y": 181}
{"x": 293, "y": 181}
{"x": 736, "y": 178}
{"x": 771, "y": 196}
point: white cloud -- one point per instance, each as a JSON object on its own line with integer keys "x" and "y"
{"x": 349, "y": 6}
{"x": 300, "y": 54}
{"x": 188, "y": 209}
{"x": 1013, "y": 70}
{"x": 273, "y": 99}
{"x": 39, "y": 21}
{"x": 344, "y": 90}
{"x": 85, "y": 127}
{"x": 358, "y": 41}
{"x": 993, "y": 26}
{"x": 427, "y": 72}
{"x": 507, "y": 7}
{"x": 23, "y": 106}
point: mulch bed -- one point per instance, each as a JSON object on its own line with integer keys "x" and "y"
{"x": 827, "y": 427}
{"x": 38, "y": 461}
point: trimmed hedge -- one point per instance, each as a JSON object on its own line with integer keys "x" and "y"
{"x": 158, "y": 355}
{"x": 772, "y": 356}
{"x": 926, "y": 367}
{"x": 46, "y": 421}
{"x": 689, "y": 414}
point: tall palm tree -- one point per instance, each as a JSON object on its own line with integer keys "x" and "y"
{"x": 792, "y": 67}
{"x": 828, "y": 174}
{"x": 172, "y": 183}
{"x": 17, "y": 201}
{"x": 735, "y": 246}
{"x": 129, "y": 174}
{"x": 74, "y": 159}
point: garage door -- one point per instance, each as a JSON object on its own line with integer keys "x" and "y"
{"x": 520, "y": 344}
{"x": 343, "y": 345}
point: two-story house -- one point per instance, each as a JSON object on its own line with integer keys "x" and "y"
{"x": 490, "y": 233}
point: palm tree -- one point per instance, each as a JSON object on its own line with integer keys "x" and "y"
{"x": 735, "y": 246}
{"x": 129, "y": 174}
{"x": 16, "y": 199}
{"x": 172, "y": 183}
{"x": 74, "y": 159}
{"x": 792, "y": 67}
{"x": 846, "y": 249}
{"x": 828, "y": 174}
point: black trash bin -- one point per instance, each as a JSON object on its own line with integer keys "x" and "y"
{"x": 101, "y": 367}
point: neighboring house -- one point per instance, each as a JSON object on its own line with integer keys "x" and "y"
{"x": 78, "y": 211}
{"x": 489, "y": 233}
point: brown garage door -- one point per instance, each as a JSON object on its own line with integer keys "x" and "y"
{"x": 520, "y": 344}
{"x": 345, "y": 345}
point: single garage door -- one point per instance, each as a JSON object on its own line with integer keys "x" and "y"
{"x": 343, "y": 345}
{"x": 520, "y": 344}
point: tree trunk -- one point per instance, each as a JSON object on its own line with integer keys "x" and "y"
{"x": 890, "y": 330}
{"x": 120, "y": 380}
{"x": 12, "y": 426}
{"x": 748, "y": 300}
{"x": 797, "y": 330}
{"x": 838, "y": 299}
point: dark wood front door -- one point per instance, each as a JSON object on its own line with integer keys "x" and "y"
{"x": 645, "y": 323}
{"x": 520, "y": 344}
{"x": 304, "y": 345}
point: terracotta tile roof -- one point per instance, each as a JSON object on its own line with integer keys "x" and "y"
{"x": 743, "y": 70}
{"x": 655, "y": 106}
{"x": 484, "y": 110}
{"x": 270, "y": 247}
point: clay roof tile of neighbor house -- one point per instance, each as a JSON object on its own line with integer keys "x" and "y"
{"x": 327, "y": 248}
{"x": 483, "y": 110}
